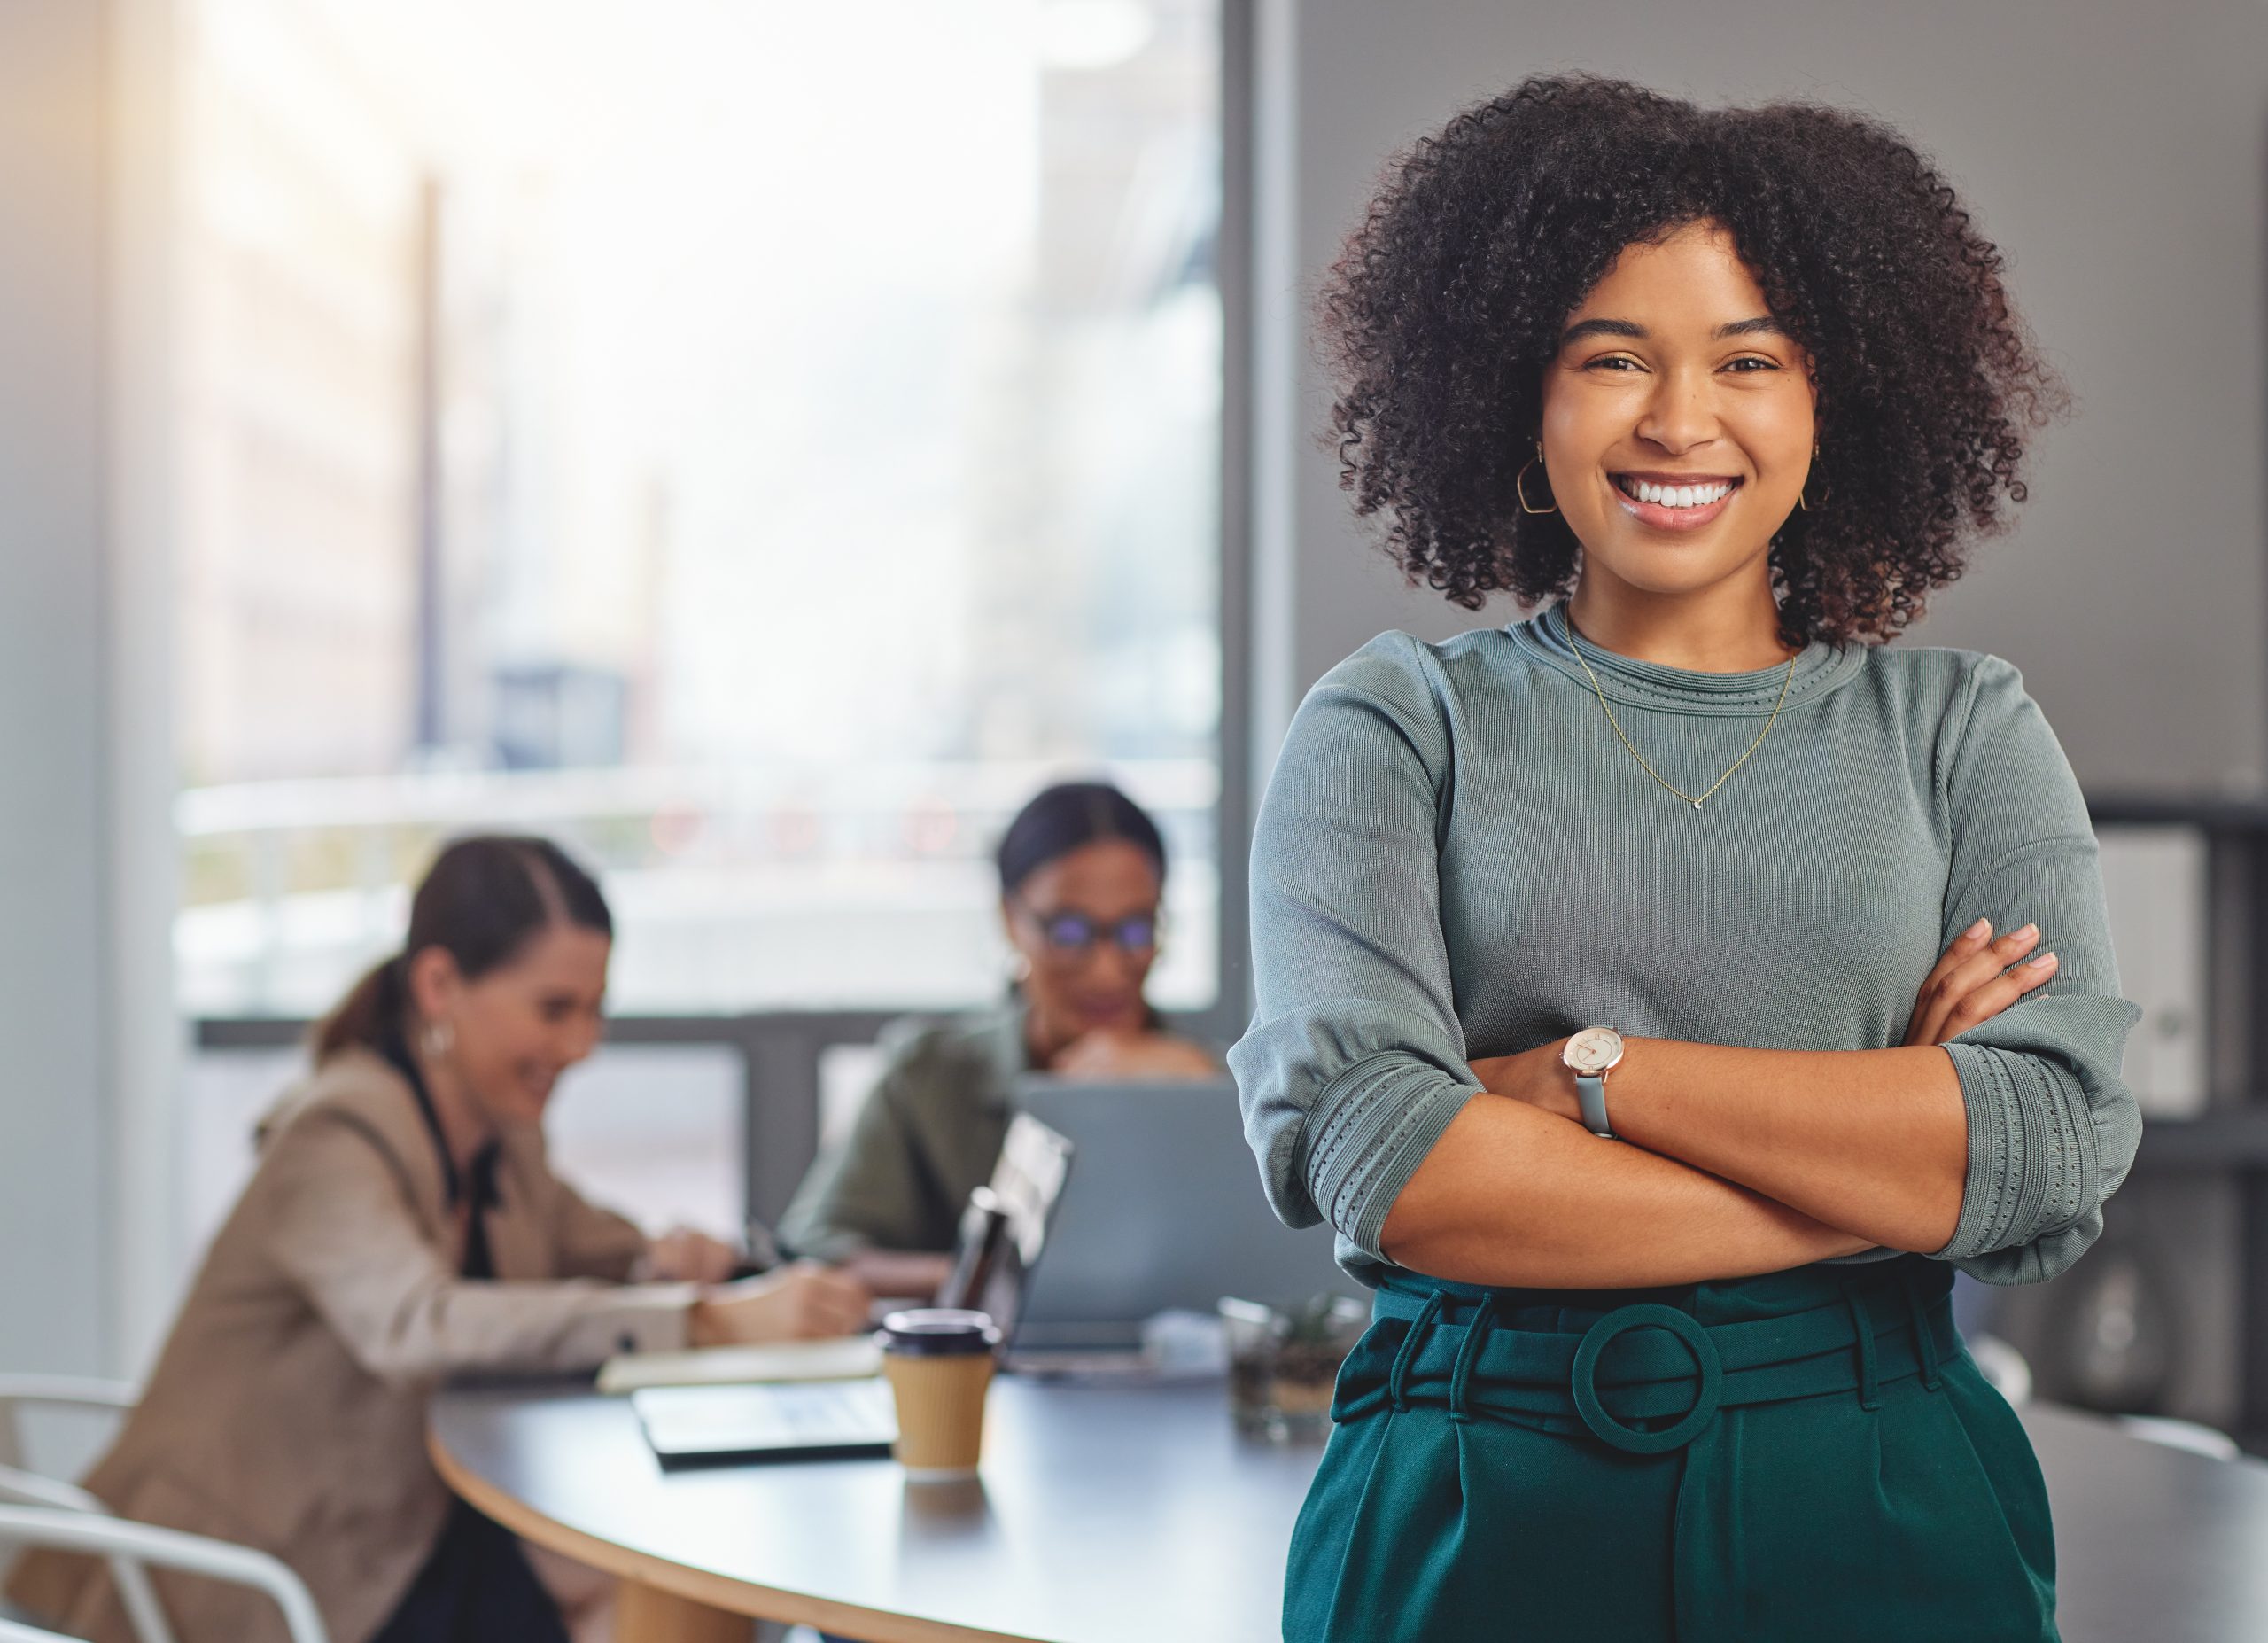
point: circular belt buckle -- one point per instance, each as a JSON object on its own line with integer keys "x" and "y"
{"x": 1583, "y": 1383}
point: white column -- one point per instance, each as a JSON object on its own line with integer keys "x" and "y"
{"x": 146, "y": 1037}
{"x": 86, "y": 1020}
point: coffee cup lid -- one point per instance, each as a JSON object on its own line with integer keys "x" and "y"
{"x": 939, "y": 1332}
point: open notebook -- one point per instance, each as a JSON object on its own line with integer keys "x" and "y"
{"x": 818, "y": 1421}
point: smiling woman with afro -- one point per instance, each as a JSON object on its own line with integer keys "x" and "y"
{"x": 1664, "y": 994}
{"x": 1452, "y": 293}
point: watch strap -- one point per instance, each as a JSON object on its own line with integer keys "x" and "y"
{"x": 1590, "y": 1088}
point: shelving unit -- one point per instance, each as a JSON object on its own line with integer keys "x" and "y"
{"x": 2231, "y": 1137}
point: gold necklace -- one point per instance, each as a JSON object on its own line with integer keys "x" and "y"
{"x": 1641, "y": 757}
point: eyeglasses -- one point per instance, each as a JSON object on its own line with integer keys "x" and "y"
{"x": 1068, "y": 932}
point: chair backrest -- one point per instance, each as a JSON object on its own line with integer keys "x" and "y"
{"x": 18, "y": 1392}
{"x": 167, "y": 1548}
{"x": 20, "y": 1487}
{"x": 135, "y": 1595}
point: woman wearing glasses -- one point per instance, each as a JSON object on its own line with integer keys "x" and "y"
{"x": 1082, "y": 873}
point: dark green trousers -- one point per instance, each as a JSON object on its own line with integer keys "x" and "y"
{"x": 1794, "y": 1459}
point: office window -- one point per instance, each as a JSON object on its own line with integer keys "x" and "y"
{"x": 757, "y": 444}
{"x": 656, "y": 1131}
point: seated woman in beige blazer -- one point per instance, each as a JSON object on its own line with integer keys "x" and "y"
{"x": 403, "y": 1226}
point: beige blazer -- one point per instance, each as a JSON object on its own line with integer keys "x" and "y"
{"x": 287, "y": 1411}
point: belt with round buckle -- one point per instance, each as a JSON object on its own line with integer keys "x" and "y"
{"x": 1583, "y": 1382}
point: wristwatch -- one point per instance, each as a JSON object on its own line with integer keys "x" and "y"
{"x": 1593, "y": 1053}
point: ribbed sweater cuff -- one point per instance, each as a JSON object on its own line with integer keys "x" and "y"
{"x": 1369, "y": 1130}
{"x": 2032, "y": 1164}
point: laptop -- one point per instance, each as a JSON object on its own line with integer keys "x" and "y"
{"x": 1163, "y": 1211}
{"x": 1002, "y": 1232}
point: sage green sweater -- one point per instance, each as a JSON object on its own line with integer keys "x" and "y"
{"x": 1458, "y": 859}
{"x": 927, "y": 1136}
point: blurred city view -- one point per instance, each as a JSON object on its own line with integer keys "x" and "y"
{"x": 757, "y": 445}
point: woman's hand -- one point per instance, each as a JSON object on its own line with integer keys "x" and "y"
{"x": 1133, "y": 1055}
{"x": 1535, "y": 1076}
{"x": 1972, "y": 983}
{"x": 800, "y": 1302}
{"x": 684, "y": 1256}
{"x": 900, "y": 1274}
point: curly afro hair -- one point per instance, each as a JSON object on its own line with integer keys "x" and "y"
{"x": 1449, "y": 299}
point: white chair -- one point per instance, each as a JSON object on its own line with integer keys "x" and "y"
{"x": 114, "y": 1538}
{"x": 22, "y": 1487}
{"x": 18, "y": 1392}
{"x": 135, "y": 1595}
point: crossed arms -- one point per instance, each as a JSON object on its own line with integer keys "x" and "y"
{"x": 1727, "y": 1162}
{"x": 1990, "y": 1137}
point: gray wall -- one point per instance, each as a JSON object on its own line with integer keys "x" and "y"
{"x": 2119, "y": 155}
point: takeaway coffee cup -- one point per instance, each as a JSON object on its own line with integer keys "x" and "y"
{"x": 939, "y": 1361}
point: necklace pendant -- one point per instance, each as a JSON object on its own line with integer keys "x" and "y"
{"x": 1697, "y": 803}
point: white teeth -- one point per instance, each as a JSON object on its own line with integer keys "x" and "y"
{"x": 1678, "y": 495}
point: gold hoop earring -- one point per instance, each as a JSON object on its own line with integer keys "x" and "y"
{"x": 1519, "y": 485}
{"x": 1803, "y": 502}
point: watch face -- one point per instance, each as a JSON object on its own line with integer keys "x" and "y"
{"x": 1594, "y": 1049}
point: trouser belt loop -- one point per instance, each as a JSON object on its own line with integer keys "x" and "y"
{"x": 1869, "y": 1384}
{"x": 1461, "y": 1377}
{"x": 1397, "y": 1380}
{"x": 1925, "y": 1340}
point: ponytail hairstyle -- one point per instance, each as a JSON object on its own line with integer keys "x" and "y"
{"x": 1069, "y": 816}
{"x": 480, "y": 901}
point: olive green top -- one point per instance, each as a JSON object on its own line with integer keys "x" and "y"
{"x": 927, "y": 1136}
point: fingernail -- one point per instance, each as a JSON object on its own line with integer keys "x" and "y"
{"x": 2046, "y": 960}
{"x": 2027, "y": 932}
{"x": 1978, "y": 928}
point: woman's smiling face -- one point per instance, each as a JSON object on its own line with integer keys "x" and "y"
{"x": 1677, "y": 419}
